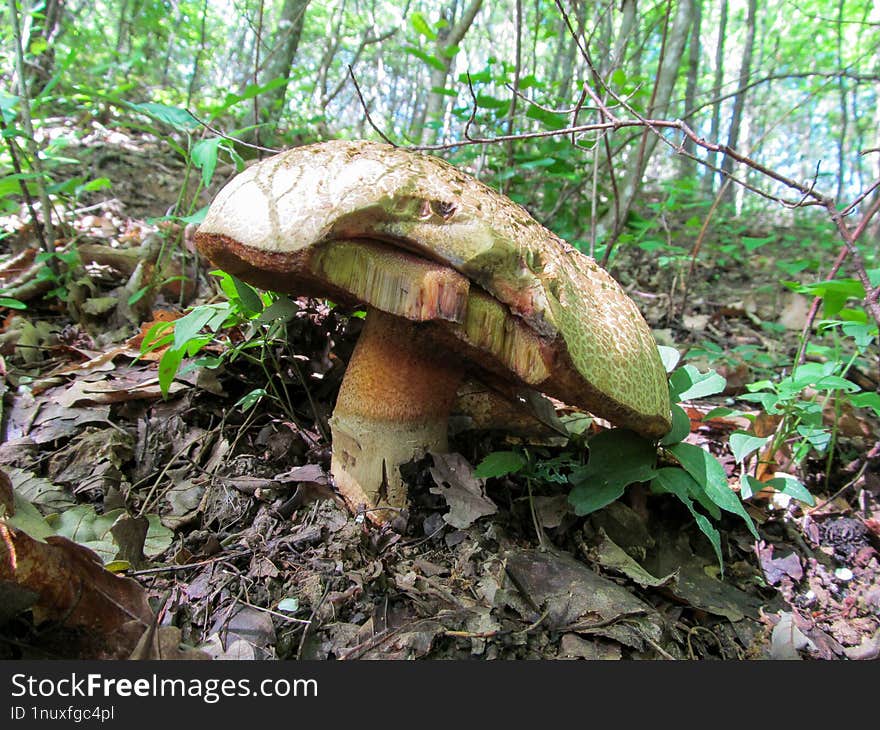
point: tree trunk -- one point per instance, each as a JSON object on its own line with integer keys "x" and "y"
{"x": 628, "y": 21}
{"x": 279, "y": 60}
{"x": 276, "y": 63}
{"x": 44, "y": 25}
{"x": 844, "y": 116}
{"x": 715, "y": 130}
{"x": 739, "y": 100}
{"x": 445, "y": 38}
{"x": 688, "y": 165}
{"x": 630, "y": 181}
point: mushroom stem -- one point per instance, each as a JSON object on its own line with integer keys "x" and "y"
{"x": 393, "y": 406}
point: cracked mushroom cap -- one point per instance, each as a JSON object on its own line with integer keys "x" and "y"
{"x": 411, "y": 235}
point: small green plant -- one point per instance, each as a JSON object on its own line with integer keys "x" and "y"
{"x": 619, "y": 458}
{"x": 257, "y": 319}
{"x": 802, "y": 398}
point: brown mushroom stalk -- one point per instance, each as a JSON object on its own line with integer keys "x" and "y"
{"x": 393, "y": 406}
{"x": 458, "y": 279}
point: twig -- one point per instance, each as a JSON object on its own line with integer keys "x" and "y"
{"x": 840, "y": 491}
{"x": 283, "y": 616}
{"x": 48, "y": 241}
{"x": 223, "y": 135}
{"x": 357, "y": 89}
{"x": 176, "y": 568}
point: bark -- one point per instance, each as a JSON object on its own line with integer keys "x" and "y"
{"x": 452, "y": 36}
{"x": 280, "y": 58}
{"x": 571, "y": 54}
{"x": 631, "y": 179}
{"x": 511, "y": 113}
{"x": 739, "y": 101}
{"x": 46, "y": 25}
{"x": 276, "y": 63}
{"x": 627, "y": 22}
{"x": 715, "y": 129}
{"x": 689, "y": 166}
{"x": 844, "y": 116}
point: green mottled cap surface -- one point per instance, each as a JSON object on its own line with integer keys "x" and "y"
{"x": 597, "y": 347}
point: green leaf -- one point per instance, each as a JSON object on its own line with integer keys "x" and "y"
{"x": 862, "y": 332}
{"x": 174, "y": 116}
{"x": 248, "y": 296}
{"x": 867, "y": 400}
{"x": 159, "y": 335}
{"x": 84, "y": 526}
{"x": 250, "y": 92}
{"x": 196, "y": 217}
{"x": 138, "y": 295}
{"x": 169, "y": 364}
{"x": 486, "y": 101}
{"x": 743, "y": 443}
{"x": 794, "y": 488}
{"x": 421, "y": 25}
{"x": 190, "y": 324}
{"x": 688, "y": 383}
{"x": 682, "y": 485}
{"x": 708, "y": 472}
{"x": 99, "y": 183}
{"x": 618, "y": 458}
{"x": 159, "y": 537}
{"x": 550, "y": 120}
{"x": 432, "y": 61}
{"x": 576, "y": 423}
{"x": 204, "y": 156}
{"x": 251, "y": 399}
{"x": 669, "y": 356}
{"x": 752, "y": 244}
{"x": 681, "y": 426}
{"x": 11, "y": 303}
{"x": 722, "y": 412}
{"x": 499, "y": 464}
{"x": 38, "y": 45}
{"x": 539, "y": 163}
{"x": 27, "y": 518}
{"x": 283, "y": 309}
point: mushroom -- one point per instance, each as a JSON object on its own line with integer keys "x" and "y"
{"x": 456, "y": 278}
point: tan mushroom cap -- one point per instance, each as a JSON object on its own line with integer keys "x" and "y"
{"x": 354, "y": 221}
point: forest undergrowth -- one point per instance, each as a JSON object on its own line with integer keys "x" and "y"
{"x": 203, "y": 476}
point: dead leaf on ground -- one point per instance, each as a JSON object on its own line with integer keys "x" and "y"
{"x": 776, "y": 568}
{"x": 166, "y": 643}
{"x": 574, "y": 597}
{"x": 787, "y": 640}
{"x": 40, "y": 492}
{"x": 463, "y": 492}
{"x": 45, "y": 420}
{"x": 612, "y": 557}
{"x": 73, "y": 588}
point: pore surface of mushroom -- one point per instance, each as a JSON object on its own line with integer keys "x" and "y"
{"x": 456, "y": 278}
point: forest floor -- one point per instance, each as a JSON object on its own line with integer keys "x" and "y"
{"x": 246, "y": 552}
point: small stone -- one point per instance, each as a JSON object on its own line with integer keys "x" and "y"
{"x": 843, "y": 574}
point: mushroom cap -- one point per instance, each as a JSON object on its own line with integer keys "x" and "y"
{"x": 270, "y": 222}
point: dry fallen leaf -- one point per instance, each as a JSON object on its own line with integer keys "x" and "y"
{"x": 463, "y": 492}
{"x": 71, "y": 586}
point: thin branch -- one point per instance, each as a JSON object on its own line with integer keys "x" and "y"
{"x": 223, "y": 135}
{"x": 357, "y": 89}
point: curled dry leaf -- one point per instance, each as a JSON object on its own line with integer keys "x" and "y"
{"x": 73, "y": 588}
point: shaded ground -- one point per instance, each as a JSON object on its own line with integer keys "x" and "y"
{"x": 255, "y": 557}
